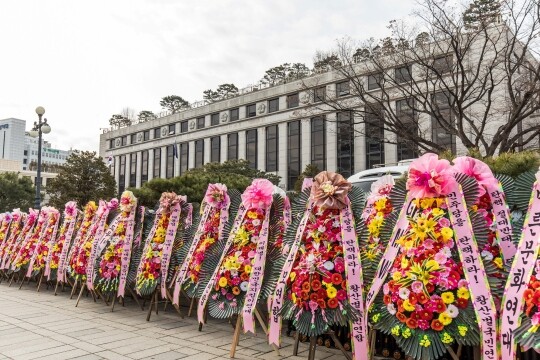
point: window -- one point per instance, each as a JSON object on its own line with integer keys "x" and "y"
{"x": 169, "y": 173}
{"x": 318, "y": 143}
{"x": 157, "y": 133}
{"x": 111, "y": 144}
{"x": 184, "y": 157}
{"x": 133, "y": 170}
{"x": 124, "y": 140}
{"x": 345, "y": 144}
{"x": 199, "y": 153}
{"x": 251, "y": 110}
{"x": 251, "y": 148}
{"x": 200, "y": 122}
{"x": 25, "y": 152}
{"x": 374, "y": 130}
{"x": 122, "y": 177}
{"x": 319, "y": 94}
{"x": 273, "y": 105}
{"x": 272, "y": 148}
{"x": 157, "y": 163}
{"x": 375, "y": 81}
{"x": 294, "y": 153}
{"x": 24, "y": 161}
{"x": 234, "y": 114}
{"x": 146, "y": 135}
{"x": 442, "y": 121}
{"x": 403, "y": 74}
{"x": 443, "y": 64}
{"x": 342, "y": 88}
{"x": 133, "y": 139}
{"x": 406, "y": 148}
{"x": 215, "y": 149}
{"x": 232, "y": 150}
{"x": 172, "y": 129}
{"x": 293, "y": 101}
{"x": 184, "y": 126}
{"x": 214, "y": 119}
{"x": 144, "y": 166}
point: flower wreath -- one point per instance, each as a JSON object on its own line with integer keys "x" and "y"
{"x": 163, "y": 241}
{"x": 8, "y": 248}
{"x": 28, "y": 246}
{"x": 113, "y": 259}
{"x": 43, "y": 246}
{"x": 245, "y": 268}
{"x": 59, "y": 246}
{"x": 317, "y": 286}
{"x": 5, "y": 222}
{"x": 427, "y": 303}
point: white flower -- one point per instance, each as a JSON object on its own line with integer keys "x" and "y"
{"x": 404, "y": 293}
{"x": 244, "y": 285}
{"x": 487, "y": 255}
{"x": 391, "y": 309}
{"x": 452, "y": 311}
{"x": 328, "y": 265}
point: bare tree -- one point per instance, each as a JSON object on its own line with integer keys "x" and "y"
{"x": 129, "y": 113}
{"x": 456, "y": 78}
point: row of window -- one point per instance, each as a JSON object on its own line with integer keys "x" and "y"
{"x": 46, "y": 154}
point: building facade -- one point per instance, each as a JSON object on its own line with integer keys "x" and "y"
{"x": 12, "y": 139}
{"x": 50, "y": 157}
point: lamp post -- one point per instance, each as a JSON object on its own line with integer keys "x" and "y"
{"x": 40, "y": 127}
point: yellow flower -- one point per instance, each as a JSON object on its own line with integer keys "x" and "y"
{"x": 437, "y": 212}
{"x": 404, "y": 263}
{"x": 447, "y": 233}
{"x": 432, "y": 265}
{"x": 498, "y": 262}
{"x": 395, "y": 330}
{"x": 396, "y": 276}
{"x": 426, "y": 203}
{"x": 150, "y": 276}
{"x": 447, "y": 297}
{"x": 408, "y": 306}
{"x": 223, "y": 281}
{"x": 292, "y": 276}
{"x": 331, "y": 292}
{"x": 425, "y": 342}
{"x": 242, "y": 237}
{"x": 252, "y": 214}
{"x": 446, "y": 338}
{"x": 376, "y": 318}
{"x": 247, "y": 269}
{"x": 406, "y": 333}
{"x": 380, "y": 204}
{"x": 445, "y": 319}
{"x": 293, "y": 296}
{"x": 463, "y": 293}
{"x": 462, "y": 330}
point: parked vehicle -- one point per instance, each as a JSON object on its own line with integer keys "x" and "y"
{"x": 365, "y": 178}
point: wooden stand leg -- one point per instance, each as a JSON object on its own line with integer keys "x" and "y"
{"x": 296, "y": 343}
{"x": 135, "y": 298}
{"x": 373, "y": 338}
{"x": 56, "y": 288}
{"x": 83, "y": 287}
{"x": 177, "y": 307}
{"x": 236, "y": 336}
{"x": 192, "y": 303}
{"x": 150, "y": 308}
{"x": 339, "y": 345}
{"x": 156, "y": 302}
{"x": 312, "y": 347}
{"x": 265, "y": 328}
{"x": 39, "y": 282}
{"x": 113, "y": 301}
{"x": 22, "y": 282}
{"x": 11, "y": 280}
{"x": 73, "y": 289}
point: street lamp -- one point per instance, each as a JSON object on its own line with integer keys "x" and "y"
{"x": 40, "y": 127}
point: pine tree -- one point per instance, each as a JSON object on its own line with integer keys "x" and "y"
{"x": 481, "y": 13}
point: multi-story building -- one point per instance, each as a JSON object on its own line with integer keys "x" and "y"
{"x": 12, "y": 139}
{"x": 49, "y": 155}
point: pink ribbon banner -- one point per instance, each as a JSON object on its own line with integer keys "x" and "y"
{"x": 502, "y": 222}
{"x": 97, "y": 246}
{"x": 63, "y": 261}
{"x": 70, "y": 224}
{"x": 126, "y": 253}
{"x": 391, "y": 251}
{"x": 167, "y": 246}
{"x": 42, "y": 238}
{"x": 188, "y": 221}
{"x": 520, "y": 274}
{"x": 28, "y": 238}
{"x": 257, "y": 275}
{"x": 206, "y": 292}
{"x": 11, "y": 243}
{"x": 475, "y": 274}
{"x": 287, "y": 214}
{"x": 355, "y": 284}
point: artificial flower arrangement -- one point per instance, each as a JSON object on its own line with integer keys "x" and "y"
{"x": 28, "y": 246}
{"x": 209, "y": 231}
{"x": 162, "y": 244}
{"x": 112, "y": 263}
{"x": 43, "y": 245}
{"x": 316, "y": 286}
{"x": 245, "y": 268}
{"x": 59, "y": 245}
{"x": 81, "y": 255}
{"x": 5, "y": 222}
{"x": 427, "y": 303}
{"x": 7, "y": 248}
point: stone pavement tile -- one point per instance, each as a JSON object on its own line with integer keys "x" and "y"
{"x": 86, "y": 346}
{"x": 132, "y": 345}
{"x": 10, "y": 339}
{"x": 33, "y": 346}
{"x": 82, "y": 333}
{"x": 209, "y": 349}
{"x": 72, "y": 354}
{"x": 110, "y": 355}
{"x": 44, "y": 352}
{"x": 109, "y": 339}
{"x": 199, "y": 356}
{"x": 89, "y": 357}
{"x": 150, "y": 352}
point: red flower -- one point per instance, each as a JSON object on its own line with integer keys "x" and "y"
{"x": 305, "y": 286}
{"x": 321, "y": 303}
{"x": 336, "y": 279}
{"x": 315, "y": 285}
{"x": 387, "y": 299}
{"x": 437, "y": 325}
{"x": 413, "y": 299}
{"x": 313, "y": 297}
{"x": 412, "y": 323}
{"x": 401, "y": 317}
{"x": 333, "y": 303}
{"x": 536, "y": 298}
{"x": 462, "y": 303}
{"x": 426, "y": 315}
{"x": 528, "y": 295}
{"x": 422, "y": 298}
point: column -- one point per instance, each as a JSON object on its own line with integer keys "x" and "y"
{"x": 150, "y": 164}
{"x": 331, "y": 142}
{"x": 223, "y": 148}
{"x": 206, "y": 151}
{"x": 177, "y": 160}
{"x": 127, "y": 171}
{"x": 241, "y": 144}
{"x": 116, "y": 171}
{"x": 282, "y": 154}
{"x": 163, "y": 169}
{"x": 359, "y": 146}
{"x": 191, "y": 155}
{"x": 306, "y": 142}
{"x": 138, "y": 170}
{"x": 261, "y": 148}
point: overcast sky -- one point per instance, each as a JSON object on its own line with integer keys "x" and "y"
{"x": 84, "y": 61}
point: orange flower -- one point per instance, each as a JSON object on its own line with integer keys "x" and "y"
{"x": 412, "y": 323}
{"x": 387, "y": 299}
{"x": 244, "y": 276}
{"x": 315, "y": 285}
{"x": 528, "y": 295}
{"x": 313, "y": 297}
{"x": 401, "y": 317}
{"x": 235, "y": 290}
{"x": 422, "y": 298}
{"x": 437, "y": 325}
{"x": 305, "y": 286}
{"x": 305, "y": 295}
{"x": 336, "y": 279}
{"x": 333, "y": 303}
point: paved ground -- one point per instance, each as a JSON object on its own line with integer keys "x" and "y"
{"x": 43, "y": 326}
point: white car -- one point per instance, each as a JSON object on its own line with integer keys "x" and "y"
{"x": 365, "y": 178}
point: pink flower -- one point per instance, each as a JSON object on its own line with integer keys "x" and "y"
{"x": 341, "y": 295}
{"x": 313, "y": 305}
{"x": 417, "y": 287}
{"x": 535, "y": 320}
{"x": 429, "y": 177}
{"x": 258, "y": 194}
{"x": 113, "y": 204}
{"x": 444, "y": 222}
{"x": 71, "y": 208}
{"x": 216, "y": 194}
{"x": 441, "y": 258}
{"x": 476, "y": 169}
{"x": 423, "y": 324}
{"x": 463, "y": 283}
{"x": 380, "y": 188}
